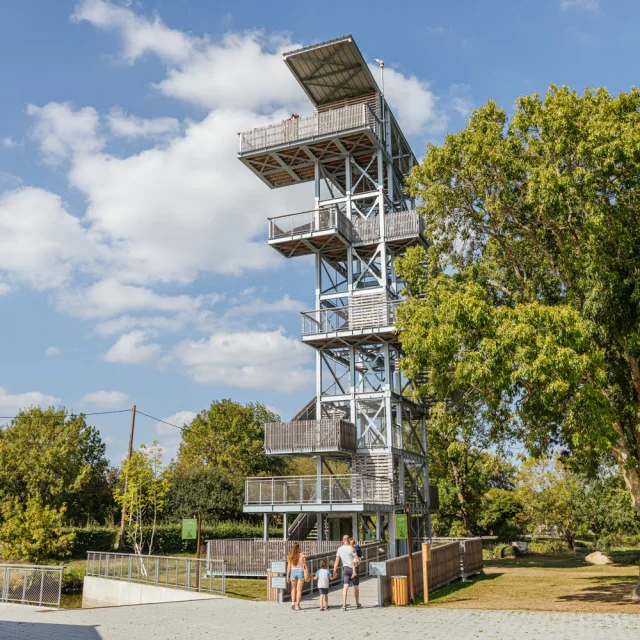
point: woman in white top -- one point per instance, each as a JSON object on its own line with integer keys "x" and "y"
{"x": 296, "y": 565}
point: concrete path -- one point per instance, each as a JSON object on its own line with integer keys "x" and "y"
{"x": 368, "y": 595}
{"x": 229, "y": 619}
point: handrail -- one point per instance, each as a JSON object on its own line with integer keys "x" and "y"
{"x": 353, "y": 116}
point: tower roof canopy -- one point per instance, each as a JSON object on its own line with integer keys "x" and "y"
{"x": 332, "y": 70}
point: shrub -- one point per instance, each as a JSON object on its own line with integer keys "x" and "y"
{"x": 72, "y": 579}
{"x": 549, "y": 546}
{"x": 168, "y": 537}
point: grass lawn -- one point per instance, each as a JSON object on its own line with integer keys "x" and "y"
{"x": 547, "y": 583}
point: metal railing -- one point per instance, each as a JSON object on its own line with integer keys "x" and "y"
{"x": 309, "y": 435}
{"x": 375, "y": 551}
{"x": 353, "y": 116}
{"x": 187, "y": 574}
{"x": 329, "y": 489}
{"x": 362, "y": 312}
{"x": 31, "y": 584}
{"x": 321, "y": 219}
{"x": 360, "y": 231}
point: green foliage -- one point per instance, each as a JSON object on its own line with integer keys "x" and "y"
{"x": 143, "y": 496}
{"x": 229, "y": 437}
{"x": 73, "y": 579}
{"x": 549, "y": 546}
{"x": 526, "y": 305}
{"x": 212, "y": 492}
{"x": 33, "y": 532}
{"x": 57, "y": 460}
{"x": 168, "y": 537}
{"x": 499, "y": 514}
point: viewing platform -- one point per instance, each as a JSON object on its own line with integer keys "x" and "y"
{"x": 345, "y": 492}
{"x": 365, "y": 315}
{"x": 330, "y": 231}
{"x": 310, "y": 436}
{"x": 284, "y": 153}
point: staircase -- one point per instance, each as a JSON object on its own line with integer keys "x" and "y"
{"x": 304, "y": 526}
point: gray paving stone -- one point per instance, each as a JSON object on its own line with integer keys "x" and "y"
{"x": 241, "y": 620}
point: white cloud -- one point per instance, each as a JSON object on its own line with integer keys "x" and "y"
{"x": 133, "y": 348}
{"x": 62, "y": 132}
{"x": 179, "y": 419}
{"x": 12, "y": 403}
{"x": 152, "y": 325}
{"x": 255, "y": 360}
{"x": 9, "y": 143}
{"x": 108, "y": 298}
{"x": 130, "y": 126}
{"x": 105, "y": 398}
{"x": 242, "y": 71}
{"x": 40, "y": 242}
{"x": 140, "y": 35}
{"x": 175, "y": 212}
{"x": 461, "y": 100}
{"x": 52, "y": 351}
{"x": 591, "y": 5}
{"x": 412, "y": 101}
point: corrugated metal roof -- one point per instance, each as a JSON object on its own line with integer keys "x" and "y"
{"x": 331, "y": 70}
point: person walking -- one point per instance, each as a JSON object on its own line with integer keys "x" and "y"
{"x": 296, "y": 567}
{"x": 345, "y": 555}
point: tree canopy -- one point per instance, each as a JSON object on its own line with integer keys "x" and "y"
{"x": 526, "y": 305}
{"x": 229, "y": 436}
{"x": 57, "y": 459}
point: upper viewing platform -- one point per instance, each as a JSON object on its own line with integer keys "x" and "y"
{"x": 351, "y": 118}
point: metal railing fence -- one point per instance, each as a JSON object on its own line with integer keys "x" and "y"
{"x": 353, "y": 116}
{"x": 327, "y": 434}
{"x": 321, "y": 219}
{"x": 31, "y": 584}
{"x": 375, "y": 551}
{"x": 188, "y": 574}
{"x": 363, "y": 312}
{"x": 329, "y": 489}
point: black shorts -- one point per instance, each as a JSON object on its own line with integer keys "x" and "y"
{"x": 349, "y": 578}
{"x": 323, "y": 592}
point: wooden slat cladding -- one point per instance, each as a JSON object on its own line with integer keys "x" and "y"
{"x": 309, "y": 435}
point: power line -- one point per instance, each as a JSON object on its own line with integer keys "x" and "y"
{"x": 72, "y": 414}
{"x": 175, "y": 426}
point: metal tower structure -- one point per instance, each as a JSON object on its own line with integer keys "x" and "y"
{"x": 366, "y": 432}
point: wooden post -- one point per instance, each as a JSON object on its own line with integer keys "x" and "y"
{"x": 426, "y": 556}
{"x": 133, "y": 426}
{"x": 409, "y": 545}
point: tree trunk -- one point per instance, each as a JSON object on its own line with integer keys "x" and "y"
{"x": 631, "y": 474}
{"x": 464, "y": 505}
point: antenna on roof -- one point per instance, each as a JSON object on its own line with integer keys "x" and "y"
{"x": 381, "y": 65}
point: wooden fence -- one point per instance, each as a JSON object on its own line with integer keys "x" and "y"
{"x": 443, "y": 564}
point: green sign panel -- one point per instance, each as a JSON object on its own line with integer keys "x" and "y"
{"x": 189, "y": 528}
{"x": 402, "y": 532}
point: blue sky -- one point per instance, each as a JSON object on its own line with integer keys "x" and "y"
{"x": 133, "y": 261}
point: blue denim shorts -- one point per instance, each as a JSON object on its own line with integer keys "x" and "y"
{"x": 296, "y": 574}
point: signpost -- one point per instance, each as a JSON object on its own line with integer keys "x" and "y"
{"x": 378, "y": 569}
{"x": 278, "y": 582}
{"x": 278, "y": 567}
{"x": 402, "y": 532}
{"x": 189, "y": 528}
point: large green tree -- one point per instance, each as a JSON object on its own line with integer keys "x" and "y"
{"x": 229, "y": 436}
{"x": 528, "y": 299}
{"x": 59, "y": 461}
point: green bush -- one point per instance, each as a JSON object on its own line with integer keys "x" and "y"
{"x": 168, "y": 537}
{"x": 72, "y": 579}
{"x": 549, "y": 546}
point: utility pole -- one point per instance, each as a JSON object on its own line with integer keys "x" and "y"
{"x": 198, "y": 551}
{"x": 133, "y": 426}
{"x": 412, "y": 594}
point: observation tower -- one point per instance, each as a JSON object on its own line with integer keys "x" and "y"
{"x": 365, "y": 431}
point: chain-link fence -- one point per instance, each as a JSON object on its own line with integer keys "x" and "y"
{"x": 188, "y": 574}
{"x": 30, "y": 584}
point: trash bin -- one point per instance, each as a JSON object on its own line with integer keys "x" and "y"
{"x": 400, "y": 590}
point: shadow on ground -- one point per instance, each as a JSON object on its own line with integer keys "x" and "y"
{"x": 458, "y": 588}
{"x": 604, "y": 590}
{"x": 43, "y": 631}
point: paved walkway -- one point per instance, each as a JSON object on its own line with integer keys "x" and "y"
{"x": 230, "y": 619}
{"x": 368, "y": 595}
